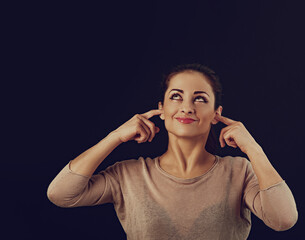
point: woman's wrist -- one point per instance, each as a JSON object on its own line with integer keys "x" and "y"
{"x": 114, "y": 137}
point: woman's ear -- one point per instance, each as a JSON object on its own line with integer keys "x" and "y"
{"x": 160, "y": 106}
{"x": 218, "y": 111}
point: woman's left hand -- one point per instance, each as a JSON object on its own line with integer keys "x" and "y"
{"x": 235, "y": 134}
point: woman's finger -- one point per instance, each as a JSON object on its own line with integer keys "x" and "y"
{"x": 221, "y": 136}
{"x": 230, "y": 142}
{"x": 142, "y": 133}
{"x": 225, "y": 120}
{"x": 229, "y": 139}
{"x": 152, "y": 113}
{"x": 151, "y": 127}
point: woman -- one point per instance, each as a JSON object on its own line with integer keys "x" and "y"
{"x": 188, "y": 192}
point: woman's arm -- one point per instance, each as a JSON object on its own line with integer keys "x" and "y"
{"x": 266, "y": 174}
{"x": 138, "y": 128}
{"x": 76, "y": 185}
{"x": 87, "y": 162}
{"x": 236, "y": 135}
{"x": 271, "y": 199}
{"x": 275, "y": 204}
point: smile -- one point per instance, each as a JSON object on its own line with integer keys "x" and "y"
{"x": 185, "y": 120}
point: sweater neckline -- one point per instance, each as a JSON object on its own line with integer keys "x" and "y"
{"x": 185, "y": 180}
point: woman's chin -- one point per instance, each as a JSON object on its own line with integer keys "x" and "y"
{"x": 185, "y": 134}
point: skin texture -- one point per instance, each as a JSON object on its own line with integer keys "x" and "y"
{"x": 186, "y": 156}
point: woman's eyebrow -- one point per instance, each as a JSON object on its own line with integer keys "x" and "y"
{"x": 196, "y": 92}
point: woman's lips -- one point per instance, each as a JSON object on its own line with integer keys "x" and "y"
{"x": 185, "y": 120}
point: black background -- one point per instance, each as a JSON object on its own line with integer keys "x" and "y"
{"x": 73, "y": 72}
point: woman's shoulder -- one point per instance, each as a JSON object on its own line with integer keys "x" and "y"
{"x": 131, "y": 164}
{"x": 234, "y": 161}
{"x": 237, "y": 167}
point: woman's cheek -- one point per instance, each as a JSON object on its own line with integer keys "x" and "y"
{"x": 169, "y": 118}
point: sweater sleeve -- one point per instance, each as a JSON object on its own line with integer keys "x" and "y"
{"x": 69, "y": 189}
{"x": 275, "y": 206}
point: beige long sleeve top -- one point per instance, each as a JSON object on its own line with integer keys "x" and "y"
{"x": 152, "y": 204}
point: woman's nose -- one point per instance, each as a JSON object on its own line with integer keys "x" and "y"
{"x": 187, "y": 108}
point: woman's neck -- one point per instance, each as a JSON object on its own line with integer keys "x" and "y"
{"x": 186, "y": 156}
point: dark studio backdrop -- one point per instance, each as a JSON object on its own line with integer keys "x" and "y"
{"x": 77, "y": 71}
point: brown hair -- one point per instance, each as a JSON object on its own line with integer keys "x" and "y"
{"x": 212, "y": 142}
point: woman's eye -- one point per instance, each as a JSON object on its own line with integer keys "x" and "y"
{"x": 202, "y": 99}
{"x": 175, "y": 96}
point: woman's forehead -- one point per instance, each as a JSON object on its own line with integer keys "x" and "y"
{"x": 190, "y": 81}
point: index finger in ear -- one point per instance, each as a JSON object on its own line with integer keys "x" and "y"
{"x": 152, "y": 113}
{"x": 225, "y": 120}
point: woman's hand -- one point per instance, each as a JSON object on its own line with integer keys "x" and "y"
{"x": 139, "y": 128}
{"x": 235, "y": 135}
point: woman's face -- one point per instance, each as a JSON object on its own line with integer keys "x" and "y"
{"x": 189, "y": 95}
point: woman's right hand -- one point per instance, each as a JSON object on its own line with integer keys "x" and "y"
{"x": 139, "y": 128}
